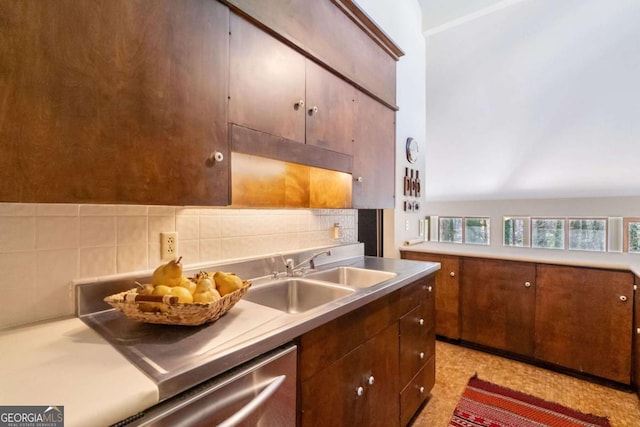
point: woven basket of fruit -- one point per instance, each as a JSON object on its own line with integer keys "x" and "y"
{"x": 172, "y": 299}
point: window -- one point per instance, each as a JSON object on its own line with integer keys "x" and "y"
{"x": 547, "y": 233}
{"x": 516, "y": 231}
{"x": 476, "y": 231}
{"x": 633, "y": 236}
{"x": 451, "y": 229}
{"x": 588, "y": 234}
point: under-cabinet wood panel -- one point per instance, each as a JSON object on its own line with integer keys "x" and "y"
{"x": 584, "y": 320}
{"x": 498, "y": 304}
{"x": 113, "y": 101}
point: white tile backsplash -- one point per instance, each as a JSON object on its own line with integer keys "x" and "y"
{"x": 46, "y": 246}
{"x": 19, "y": 233}
{"x": 97, "y": 231}
{"x": 56, "y": 232}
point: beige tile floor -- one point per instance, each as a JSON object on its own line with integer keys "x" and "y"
{"x": 456, "y": 364}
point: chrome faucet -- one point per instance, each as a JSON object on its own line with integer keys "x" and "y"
{"x": 297, "y": 270}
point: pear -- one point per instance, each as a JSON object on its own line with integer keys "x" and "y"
{"x": 227, "y": 282}
{"x": 188, "y": 284}
{"x": 169, "y": 274}
{"x": 206, "y": 296}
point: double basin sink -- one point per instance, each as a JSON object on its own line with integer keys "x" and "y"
{"x": 299, "y": 294}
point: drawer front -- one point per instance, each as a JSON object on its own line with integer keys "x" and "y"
{"x": 417, "y": 341}
{"x": 417, "y": 391}
{"x": 422, "y": 291}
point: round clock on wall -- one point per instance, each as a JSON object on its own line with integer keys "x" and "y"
{"x": 412, "y": 150}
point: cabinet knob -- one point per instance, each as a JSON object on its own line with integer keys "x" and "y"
{"x": 299, "y": 104}
{"x": 371, "y": 380}
{"x": 216, "y": 156}
{"x": 527, "y": 284}
{"x": 429, "y": 289}
{"x": 360, "y": 391}
{"x": 421, "y": 390}
{"x": 313, "y": 110}
{"x": 421, "y": 355}
{"x": 623, "y": 298}
{"x": 452, "y": 274}
{"x": 358, "y": 179}
{"x": 421, "y": 322}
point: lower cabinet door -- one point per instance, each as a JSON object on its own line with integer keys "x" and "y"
{"x": 417, "y": 391}
{"x": 359, "y": 389}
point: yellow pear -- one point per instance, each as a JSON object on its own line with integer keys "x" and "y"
{"x": 205, "y": 284}
{"x": 169, "y": 274}
{"x": 183, "y": 294}
{"x": 227, "y": 282}
{"x": 206, "y": 296}
{"x": 188, "y": 284}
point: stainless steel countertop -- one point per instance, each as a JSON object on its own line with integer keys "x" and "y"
{"x": 179, "y": 357}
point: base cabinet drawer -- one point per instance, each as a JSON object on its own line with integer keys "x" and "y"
{"x": 417, "y": 391}
{"x": 417, "y": 341}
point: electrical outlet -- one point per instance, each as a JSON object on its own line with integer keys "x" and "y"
{"x": 168, "y": 245}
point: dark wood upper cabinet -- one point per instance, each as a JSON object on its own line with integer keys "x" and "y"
{"x": 114, "y": 101}
{"x": 329, "y": 110}
{"x": 267, "y": 83}
{"x": 584, "y": 317}
{"x": 498, "y": 304}
{"x": 374, "y": 154}
{"x": 335, "y": 32}
{"x": 277, "y": 91}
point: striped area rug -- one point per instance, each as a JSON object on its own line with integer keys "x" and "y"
{"x": 484, "y": 404}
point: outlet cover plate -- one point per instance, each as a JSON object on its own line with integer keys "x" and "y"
{"x": 168, "y": 245}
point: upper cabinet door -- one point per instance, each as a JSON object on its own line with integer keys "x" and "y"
{"x": 114, "y": 102}
{"x": 330, "y": 109}
{"x": 374, "y": 155}
{"x": 266, "y": 83}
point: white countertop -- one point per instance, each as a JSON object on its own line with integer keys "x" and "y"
{"x": 65, "y": 363}
{"x": 630, "y": 262}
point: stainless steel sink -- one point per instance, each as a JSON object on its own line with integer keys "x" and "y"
{"x": 352, "y": 276}
{"x": 296, "y": 295}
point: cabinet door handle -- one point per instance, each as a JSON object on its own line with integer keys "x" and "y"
{"x": 421, "y": 390}
{"x": 452, "y": 274}
{"x": 371, "y": 380}
{"x": 429, "y": 289}
{"x": 216, "y": 156}
{"x": 421, "y": 355}
{"x": 359, "y": 179}
{"x": 527, "y": 284}
{"x": 421, "y": 322}
{"x": 313, "y": 110}
{"x": 299, "y": 104}
{"x": 360, "y": 391}
{"x": 623, "y": 298}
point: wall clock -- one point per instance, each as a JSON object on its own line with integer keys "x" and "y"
{"x": 412, "y": 150}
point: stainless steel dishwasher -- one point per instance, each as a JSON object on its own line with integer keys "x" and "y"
{"x": 261, "y": 393}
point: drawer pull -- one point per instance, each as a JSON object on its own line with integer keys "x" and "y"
{"x": 452, "y": 274}
{"x": 429, "y": 289}
{"x": 421, "y": 390}
{"x": 527, "y": 284}
{"x": 623, "y": 298}
{"x": 371, "y": 380}
{"x": 421, "y": 322}
{"x": 421, "y": 355}
{"x": 360, "y": 391}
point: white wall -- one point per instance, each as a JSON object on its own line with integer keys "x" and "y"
{"x": 535, "y": 100}
{"x": 402, "y": 21}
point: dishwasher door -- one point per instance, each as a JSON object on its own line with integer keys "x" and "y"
{"x": 260, "y": 393}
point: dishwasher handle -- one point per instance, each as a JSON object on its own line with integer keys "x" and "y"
{"x": 254, "y": 404}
